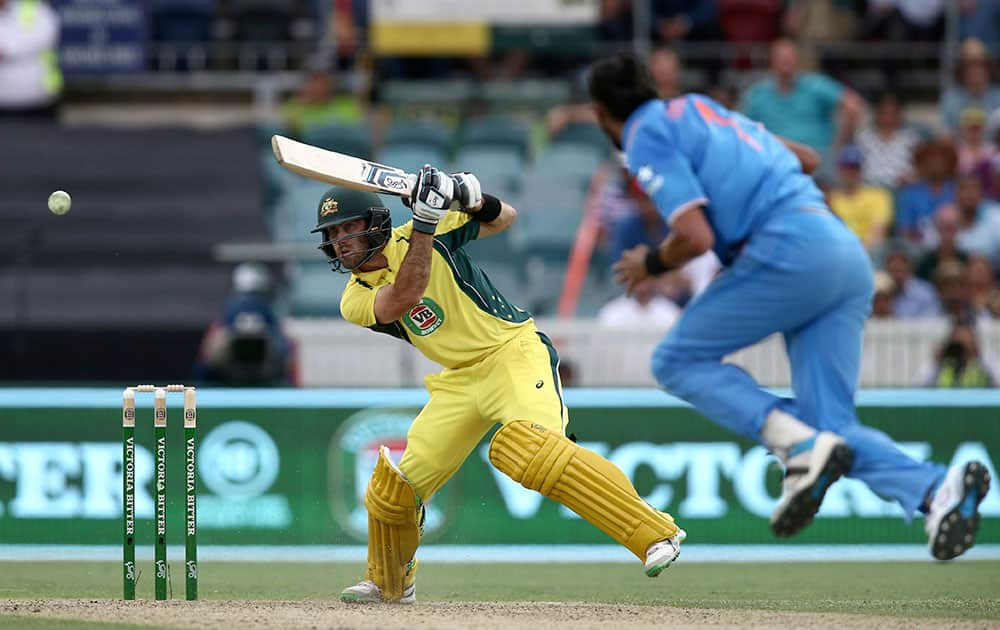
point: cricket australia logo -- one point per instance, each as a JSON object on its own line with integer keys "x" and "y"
{"x": 328, "y": 207}
{"x": 424, "y": 318}
{"x": 351, "y": 459}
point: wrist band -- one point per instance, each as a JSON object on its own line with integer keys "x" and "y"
{"x": 654, "y": 264}
{"x": 490, "y": 210}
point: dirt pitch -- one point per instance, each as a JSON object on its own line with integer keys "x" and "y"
{"x": 445, "y": 615}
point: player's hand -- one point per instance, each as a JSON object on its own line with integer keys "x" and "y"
{"x": 630, "y": 269}
{"x": 468, "y": 192}
{"x": 432, "y": 197}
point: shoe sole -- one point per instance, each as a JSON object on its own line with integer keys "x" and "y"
{"x": 800, "y": 509}
{"x": 659, "y": 568}
{"x": 956, "y": 532}
{"x": 353, "y": 598}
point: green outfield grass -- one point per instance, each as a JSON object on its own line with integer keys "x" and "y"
{"x": 966, "y": 590}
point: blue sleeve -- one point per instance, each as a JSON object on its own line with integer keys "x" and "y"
{"x": 663, "y": 173}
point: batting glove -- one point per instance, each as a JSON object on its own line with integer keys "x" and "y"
{"x": 432, "y": 198}
{"x": 468, "y": 192}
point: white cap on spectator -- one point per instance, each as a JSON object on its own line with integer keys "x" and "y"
{"x": 251, "y": 278}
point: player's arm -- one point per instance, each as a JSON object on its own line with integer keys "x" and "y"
{"x": 808, "y": 157}
{"x": 432, "y": 196}
{"x": 493, "y": 214}
{"x": 690, "y": 236}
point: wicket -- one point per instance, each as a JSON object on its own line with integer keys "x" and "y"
{"x": 161, "y": 568}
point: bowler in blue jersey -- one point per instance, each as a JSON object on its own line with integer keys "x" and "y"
{"x": 723, "y": 182}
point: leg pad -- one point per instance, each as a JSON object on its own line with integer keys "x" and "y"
{"x": 393, "y": 527}
{"x": 582, "y": 480}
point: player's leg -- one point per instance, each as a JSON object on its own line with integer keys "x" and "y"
{"x": 778, "y": 285}
{"x": 521, "y": 389}
{"x": 825, "y": 359}
{"x": 438, "y": 442}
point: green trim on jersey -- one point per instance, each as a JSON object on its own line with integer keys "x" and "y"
{"x": 475, "y": 283}
{"x": 554, "y": 363}
{"x": 394, "y": 329}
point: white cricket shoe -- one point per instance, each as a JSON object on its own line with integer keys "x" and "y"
{"x": 661, "y": 555}
{"x": 810, "y": 469}
{"x": 953, "y": 518}
{"x": 367, "y": 592}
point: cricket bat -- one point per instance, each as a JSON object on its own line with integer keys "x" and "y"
{"x": 340, "y": 169}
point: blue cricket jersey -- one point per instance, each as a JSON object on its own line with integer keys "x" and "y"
{"x": 691, "y": 151}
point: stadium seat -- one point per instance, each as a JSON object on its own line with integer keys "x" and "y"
{"x": 423, "y": 135}
{"x": 583, "y": 134}
{"x": 549, "y": 216}
{"x": 314, "y": 290}
{"x": 569, "y": 162}
{"x": 410, "y": 158}
{"x": 496, "y": 132}
{"x": 500, "y": 169}
{"x": 261, "y": 20}
{"x": 295, "y": 211}
{"x": 351, "y": 139}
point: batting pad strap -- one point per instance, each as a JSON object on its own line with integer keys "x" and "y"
{"x": 393, "y": 526}
{"x": 582, "y": 480}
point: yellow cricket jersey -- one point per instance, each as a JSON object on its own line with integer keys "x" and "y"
{"x": 461, "y": 319}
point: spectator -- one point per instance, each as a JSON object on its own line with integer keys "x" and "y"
{"x": 936, "y": 162}
{"x": 983, "y": 291}
{"x": 975, "y": 153}
{"x": 676, "y": 20}
{"x": 975, "y": 87}
{"x": 615, "y": 21}
{"x": 946, "y": 223}
{"x": 665, "y": 66}
{"x": 245, "y": 346}
{"x": 866, "y": 209}
{"x": 953, "y": 291}
{"x": 319, "y": 101}
{"x": 980, "y": 19}
{"x": 912, "y": 296}
{"x": 979, "y": 220}
{"x": 887, "y": 145}
{"x": 813, "y": 22}
{"x": 906, "y": 20}
{"x": 882, "y": 301}
{"x": 646, "y": 307}
{"x": 30, "y": 81}
{"x": 958, "y": 362}
{"x": 809, "y": 108}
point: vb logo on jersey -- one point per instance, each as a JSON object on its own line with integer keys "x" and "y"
{"x": 424, "y": 318}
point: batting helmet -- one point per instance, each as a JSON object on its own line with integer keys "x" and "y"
{"x": 340, "y": 205}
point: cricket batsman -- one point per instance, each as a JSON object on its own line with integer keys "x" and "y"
{"x": 723, "y": 182}
{"x": 417, "y": 283}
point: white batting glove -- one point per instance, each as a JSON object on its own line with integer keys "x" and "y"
{"x": 432, "y": 198}
{"x": 468, "y": 192}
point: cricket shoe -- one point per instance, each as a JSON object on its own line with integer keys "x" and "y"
{"x": 367, "y": 592}
{"x": 953, "y": 518}
{"x": 661, "y": 555}
{"x": 811, "y": 468}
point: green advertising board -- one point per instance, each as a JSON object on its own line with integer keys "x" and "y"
{"x": 288, "y": 467}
